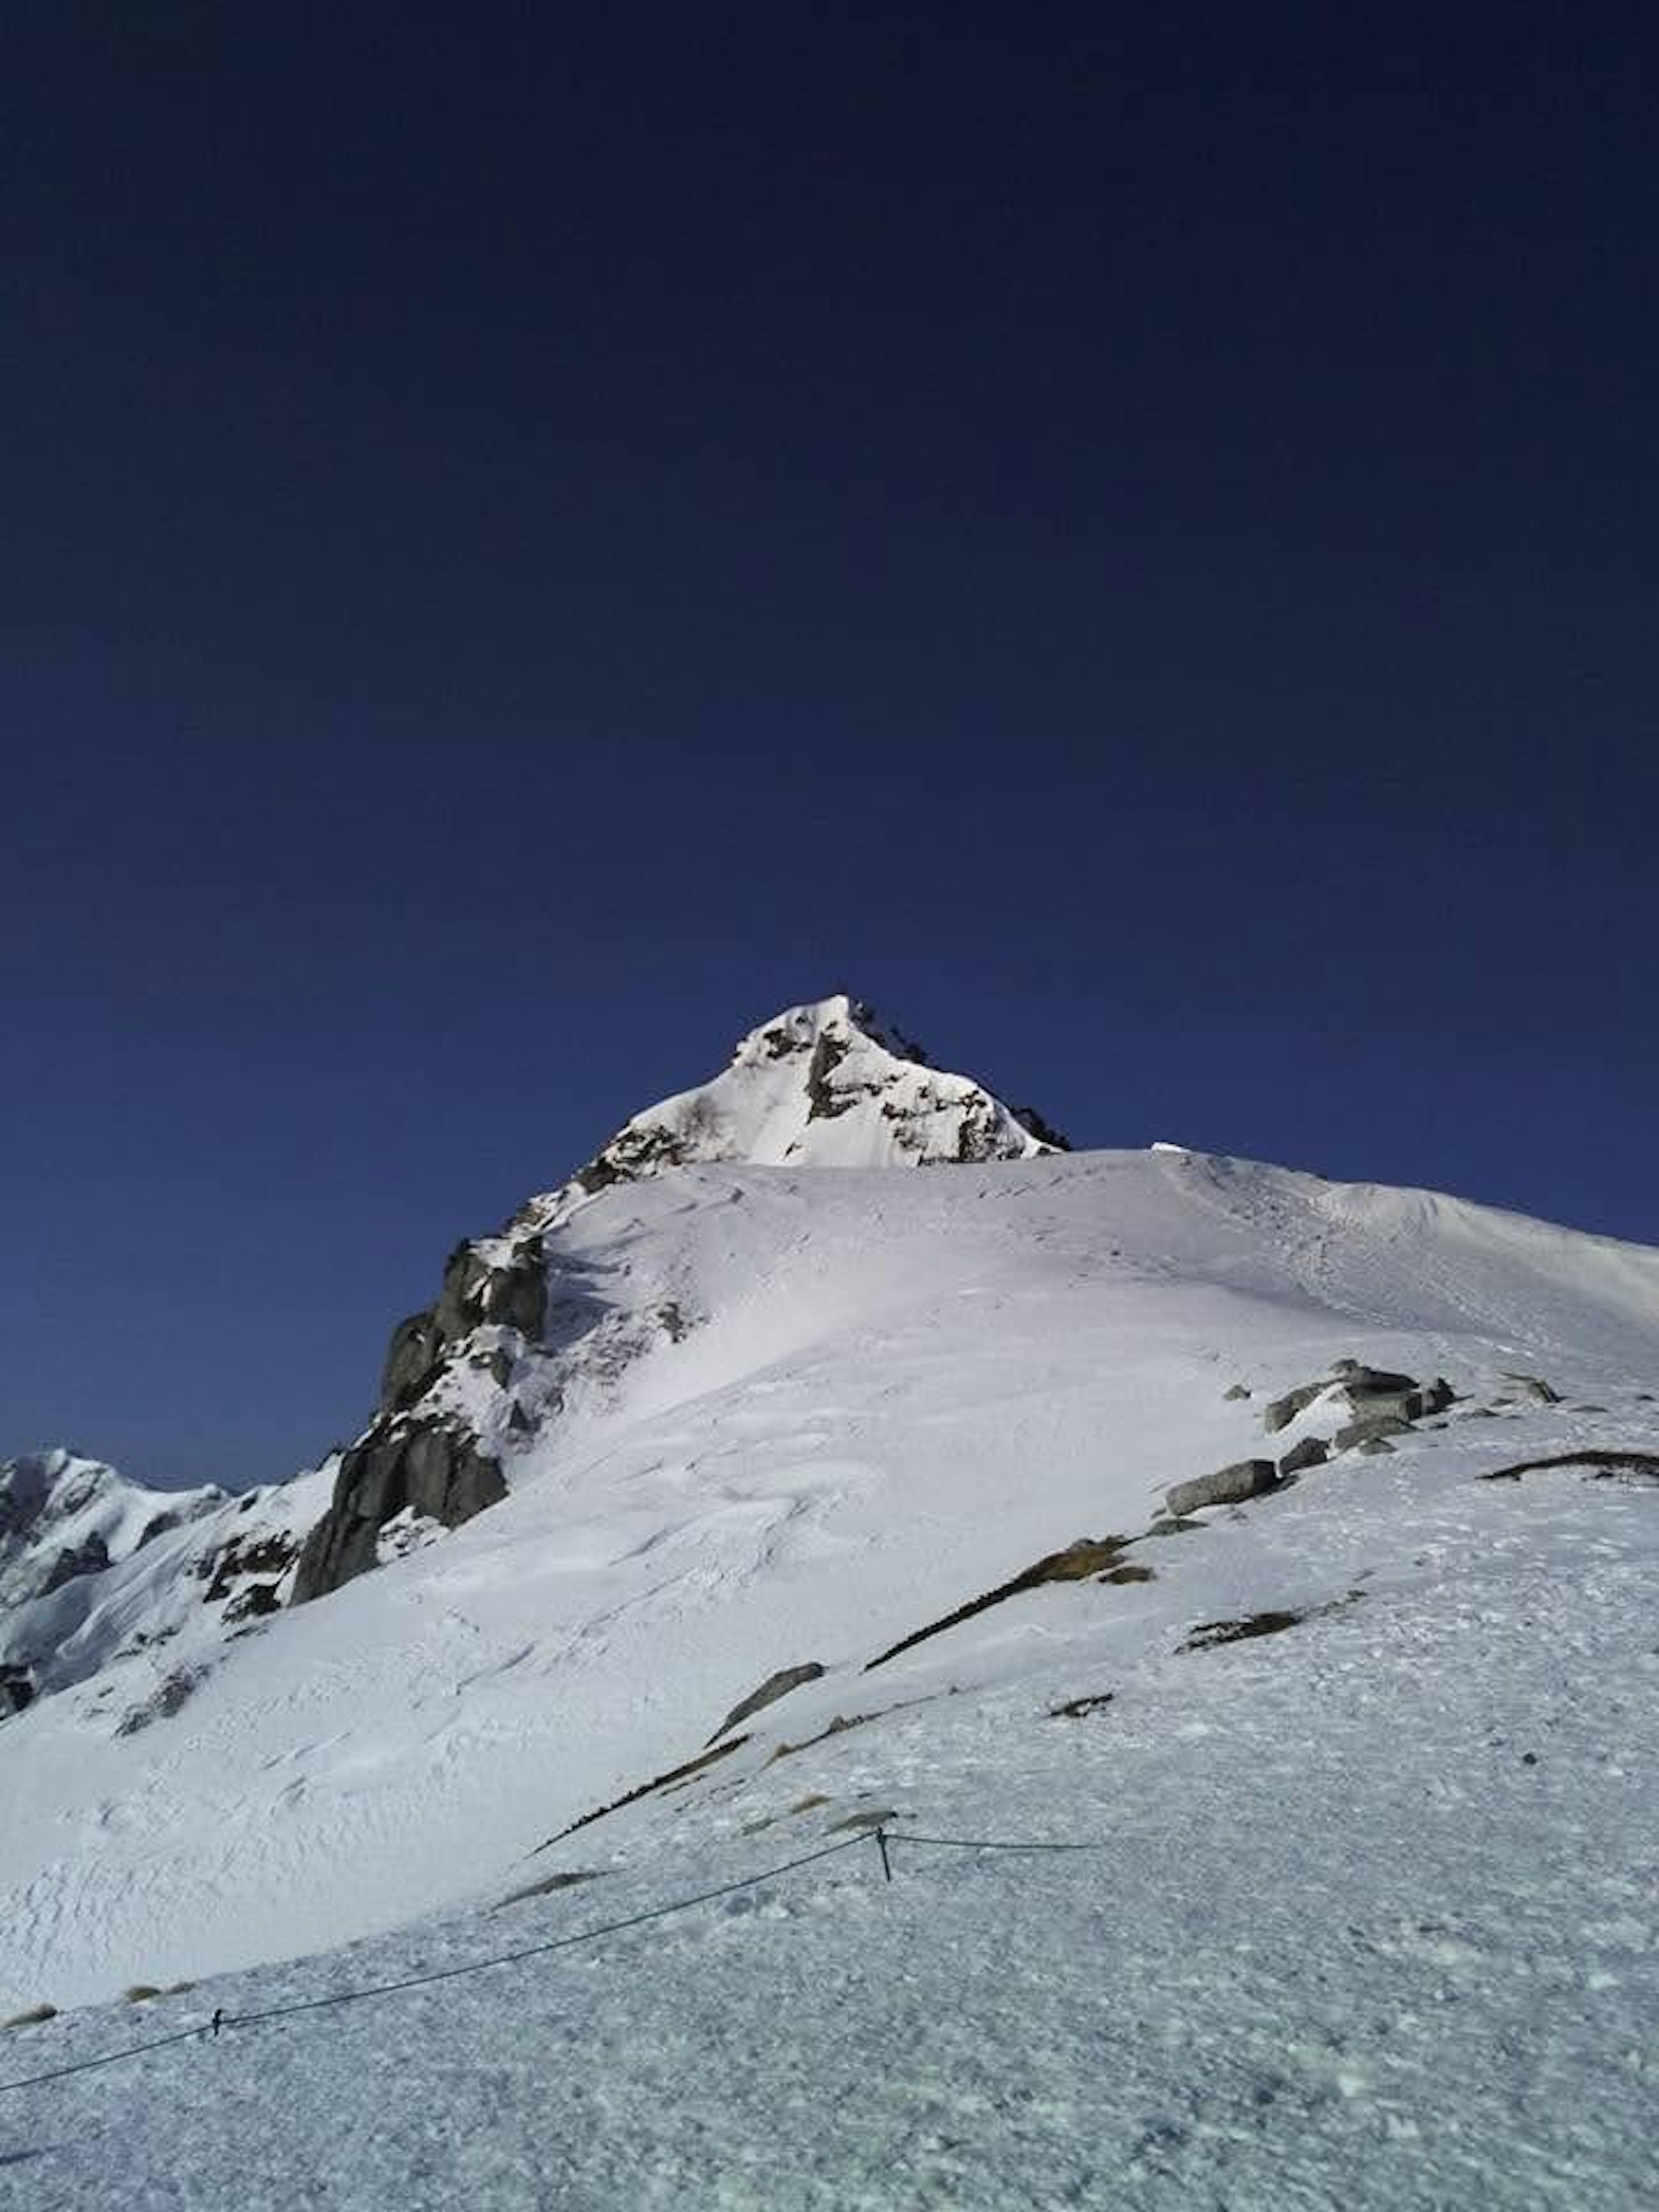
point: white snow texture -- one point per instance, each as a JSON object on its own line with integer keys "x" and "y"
{"x": 1374, "y": 1915}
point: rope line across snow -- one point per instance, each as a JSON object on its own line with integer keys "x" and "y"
{"x": 882, "y": 1836}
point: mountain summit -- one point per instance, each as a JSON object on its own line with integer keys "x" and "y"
{"x": 827, "y": 1085}
{"x": 519, "y": 1333}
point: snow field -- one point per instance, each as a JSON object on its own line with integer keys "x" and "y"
{"x": 1374, "y": 1921}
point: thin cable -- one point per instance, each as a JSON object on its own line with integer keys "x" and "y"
{"x": 109, "y": 2058}
{"x": 532, "y": 1950}
{"x": 968, "y": 1843}
{"x": 442, "y": 1974}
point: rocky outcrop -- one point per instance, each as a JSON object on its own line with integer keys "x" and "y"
{"x": 773, "y": 1687}
{"x": 1371, "y": 1429}
{"x": 422, "y": 1458}
{"x": 1283, "y": 1411}
{"x": 17, "y": 1691}
{"x": 1310, "y": 1452}
{"x": 90, "y": 1557}
{"x": 434, "y": 1469}
{"x": 1382, "y": 1403}
{"x": 1534, "y": 1387}
{"x": 484, "y": 1285}
{"x": 1228, "y": 1486}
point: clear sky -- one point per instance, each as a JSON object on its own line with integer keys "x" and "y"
{"x": 535, "y": 537}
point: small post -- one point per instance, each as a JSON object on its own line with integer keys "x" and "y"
{"x": 881, "y": 1846}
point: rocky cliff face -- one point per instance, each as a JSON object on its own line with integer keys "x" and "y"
{"x": 514, "y": 1326}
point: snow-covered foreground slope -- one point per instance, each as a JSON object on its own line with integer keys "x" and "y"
{"x": 893, "y": 1392}
{"x": 1372, "y": 1921}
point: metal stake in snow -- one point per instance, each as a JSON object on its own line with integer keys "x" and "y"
{"x": 881, "y": 1846}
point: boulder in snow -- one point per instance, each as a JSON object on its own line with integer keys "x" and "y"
{"x": 1228, "y": 1486}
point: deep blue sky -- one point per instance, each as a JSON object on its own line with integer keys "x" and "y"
{"x": 537, "y": 536}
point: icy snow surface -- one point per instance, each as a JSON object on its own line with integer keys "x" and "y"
{"x": 1374, "y": 1922}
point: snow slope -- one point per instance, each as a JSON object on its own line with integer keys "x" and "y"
{"x": 1374, "y": 1915}
{"x": 899, "y": 1391}
{"x": 1371, "y": 1912}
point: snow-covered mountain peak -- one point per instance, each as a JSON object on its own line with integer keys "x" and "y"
{"x": 842, "y": 1017}
{"x": 824, "y": 1084}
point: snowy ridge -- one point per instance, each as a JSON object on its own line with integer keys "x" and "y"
{"x": 826, "y": 1085}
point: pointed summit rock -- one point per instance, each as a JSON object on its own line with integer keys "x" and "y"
{"x": 826, "y": 1085}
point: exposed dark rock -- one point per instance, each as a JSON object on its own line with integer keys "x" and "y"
{"x": 1369, "y": 1393}
{"x": 253, "y": 1603}
{"x": 1310, "y": 1452}
{"x": 1034, "y": 1126}
{"x": 573, "y": 1879}
{"x": 1637, "y": 1466}
{"x": 1536, "y": 1388}
{"x": 773, "y": 1687}
{"x": 17, "y": 1691}
{"x": 1283, "y": 1411}
{"x": 828, "y": 1054}
{"x": 1209, "y": 1633}
{"x": 675, "y": 1777}
{"x": 1374, "y": 1428}
{"x": 1373, "y": 1400}
{"x": 514, "y": 1295}
{"x": 477, "y": 1291}
{"x": 1237, "y": 1391}
{"x": 89, "y": 1558}
{"x": 438, "y": 1470}
{"x": 1088, "y": 1555}
{"x": 1361, "y": 1382}
{"x": 1078, "y": 1708}
{"x": 412, "y": 1360}
{"x": 1228, "y": 1486}
{"x": 270, "y": 1555}
{"x": 164, "y": 1702}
